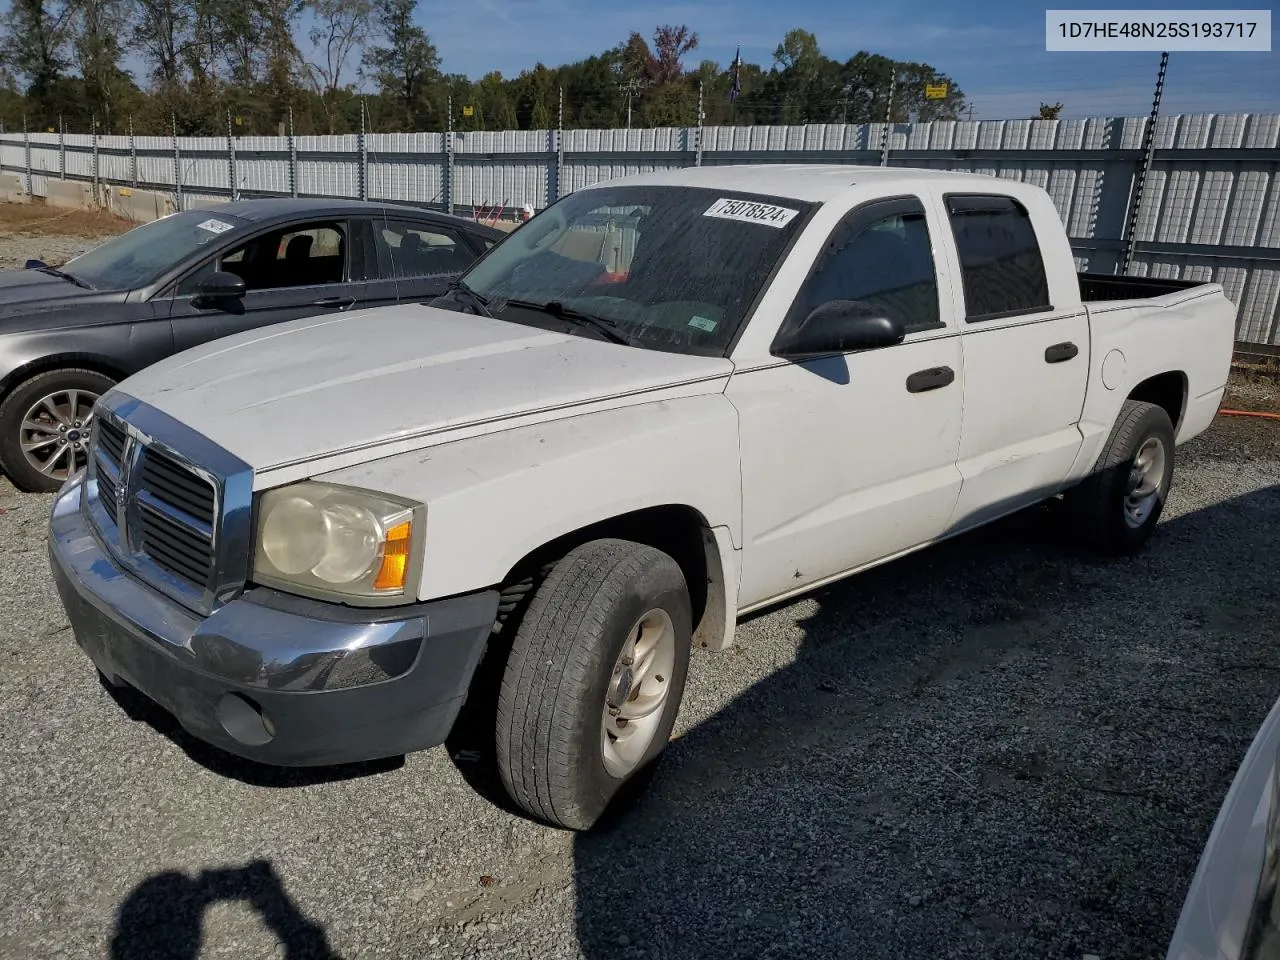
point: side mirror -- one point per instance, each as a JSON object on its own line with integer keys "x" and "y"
{"x": 34, "y": 265}
{"x": 221, "y": 286}
{"x": 839, "y": 326}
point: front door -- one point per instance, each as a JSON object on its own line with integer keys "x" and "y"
{"x": 296, "y": 271}
{"x": 851, "y": 458}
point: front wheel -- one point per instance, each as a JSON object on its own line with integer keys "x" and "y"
{"x": 1116, "y": 509}
{"x": 593, "y": 682}
{"x": 44, "y": 427}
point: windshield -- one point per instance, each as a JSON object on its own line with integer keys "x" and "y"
{"x": 669, "y": 268}
{"x": 144, "y": 253}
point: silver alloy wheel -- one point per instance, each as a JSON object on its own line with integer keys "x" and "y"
{"x": 1145, "y": 479}
{"x": 637, "y": 692}
{"x": 54, "y": 433}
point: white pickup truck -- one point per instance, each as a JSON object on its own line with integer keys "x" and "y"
{"x": 661, "y": 403}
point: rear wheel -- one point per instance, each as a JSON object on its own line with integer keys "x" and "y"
{"x": 44, "y": 427}
{"x": 593, "y": 682}
{"x": 1116, "y": 509}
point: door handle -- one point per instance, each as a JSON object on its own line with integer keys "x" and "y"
{"x": 1060, "y": 352}
{"x": 930, "y": 379}
{"x": 333, "y": 302}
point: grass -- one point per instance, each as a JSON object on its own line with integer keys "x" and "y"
{"x": 37, "y": 219}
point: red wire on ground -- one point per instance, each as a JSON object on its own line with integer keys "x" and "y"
{"x": 1249, "y": 413}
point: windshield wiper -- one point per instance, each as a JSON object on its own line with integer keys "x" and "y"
{"x": 63, "y": 275}
{"x": 601, "y": 325}
{"x": 476, "y": 300}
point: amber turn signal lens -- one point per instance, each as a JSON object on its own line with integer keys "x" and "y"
{"x": 395, "y": 558}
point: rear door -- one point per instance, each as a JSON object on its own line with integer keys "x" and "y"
{"x": 415, "y": 259}
{"x": 1026, "y": 362}
{"x": 301, "y": 270}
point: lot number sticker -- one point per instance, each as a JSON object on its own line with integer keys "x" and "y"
{"x": 216, "y": 226}
{"x": 751, "y": 212}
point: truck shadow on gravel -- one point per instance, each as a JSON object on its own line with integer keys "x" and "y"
{"x": 163, "y": 917}
{"x": 998, "y": 747}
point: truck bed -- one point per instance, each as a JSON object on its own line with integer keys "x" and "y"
{"x": 1096, "y": 287}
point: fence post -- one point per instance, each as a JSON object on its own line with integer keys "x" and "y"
{"x": 1148, "y": 149}
{"x": 448, "y": 160}
{"x": 697, "y": 135}
{"x": 177, "y": 160}
{"x": 26, "y": 149}
{"x": 231, "y": 160}
{"x": 293, "y": 158}
{"x": 133, "y": 155}
{"x": 94, "y": 124}
{"x": 62, "y": 148}
{"x": 364, "y": 154}
{"x": 888, "y": 118}
{"x": 558, "y": 143}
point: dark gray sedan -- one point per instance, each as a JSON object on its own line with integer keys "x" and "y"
{"x": 68, "y": 334}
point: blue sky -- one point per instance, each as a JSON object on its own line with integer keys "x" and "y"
{"x": 994, "y": 49}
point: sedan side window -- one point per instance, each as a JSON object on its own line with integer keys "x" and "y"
{"x": 302, "y": 255}
{"x": 417, "y": 250}
{"x": 880, "y": 255}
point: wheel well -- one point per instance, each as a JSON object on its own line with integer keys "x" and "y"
{"x": 60, "y": 361}
{"x": 677, "y": 530}
{"x": 1166, "y": 390}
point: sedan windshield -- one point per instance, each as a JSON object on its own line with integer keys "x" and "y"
{"x": 144, "y": 253}
{"x": 667, "y": 268}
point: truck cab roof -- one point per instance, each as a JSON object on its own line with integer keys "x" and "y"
{"x": 815, "y": 182}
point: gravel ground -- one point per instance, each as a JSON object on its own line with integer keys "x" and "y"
{"x": 33, "y": 231}
{"x": 996, "y": 748}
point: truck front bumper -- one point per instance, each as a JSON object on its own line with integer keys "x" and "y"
{"x": 271, "y": 677}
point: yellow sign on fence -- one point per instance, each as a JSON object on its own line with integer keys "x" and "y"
{"x": 935, "y": 91}
{"x": 468, "y": 111}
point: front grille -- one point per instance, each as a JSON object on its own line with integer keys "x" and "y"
{"x": 173, "y": 547}
{"x": 172, "y": 507}
{"x": 106, "y": 488}
{"x": 173, "y": 485}
{"x": 175, "y": 517}
{"x": 110, "y": 441}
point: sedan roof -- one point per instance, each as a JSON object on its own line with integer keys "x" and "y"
{"x": 272, "y": 208}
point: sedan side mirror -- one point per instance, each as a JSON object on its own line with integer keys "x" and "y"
{"x": 221, "y": 285}
{"x": 839, "y": 326}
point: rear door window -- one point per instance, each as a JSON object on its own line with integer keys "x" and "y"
{"x": 1000, "y": 262}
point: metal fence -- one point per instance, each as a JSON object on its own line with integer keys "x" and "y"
{"x": 1209, "y": 210}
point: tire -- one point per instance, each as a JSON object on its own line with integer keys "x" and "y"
{"x": 555, "y": 757}
{"x": 84, "y": 385}
{"x": 1101, "y": 509}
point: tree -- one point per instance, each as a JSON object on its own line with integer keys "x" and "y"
{"x": 99, "y": 24}
{"x": 407, "y": 63}
{"x": 1049, "y": 111}
{"x": 670, "y": 44}
{"x": 161, "y": 30}
{"x": 342, "y": 26}
{"x": 35, "y": 38}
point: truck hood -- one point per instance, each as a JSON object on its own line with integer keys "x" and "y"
{"x": 371, "y": 383}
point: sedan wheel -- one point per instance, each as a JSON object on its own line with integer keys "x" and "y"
{"x": 45, "y": 426}
{"x": 54, "y": 434}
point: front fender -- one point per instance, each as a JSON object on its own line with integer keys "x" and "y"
{"x": 492, "y": 500}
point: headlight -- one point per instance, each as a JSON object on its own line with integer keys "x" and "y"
{"x": 336, "y": 542}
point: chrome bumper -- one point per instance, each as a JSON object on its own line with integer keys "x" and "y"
{"x": 272, "y": 677}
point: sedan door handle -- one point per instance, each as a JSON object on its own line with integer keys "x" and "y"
{"x": 930, "y": 379}
{"x": 333, "y": 302}
{"x": 1060, "y": 352}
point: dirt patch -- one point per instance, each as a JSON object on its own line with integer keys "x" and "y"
{"x": 35, "y": 231}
